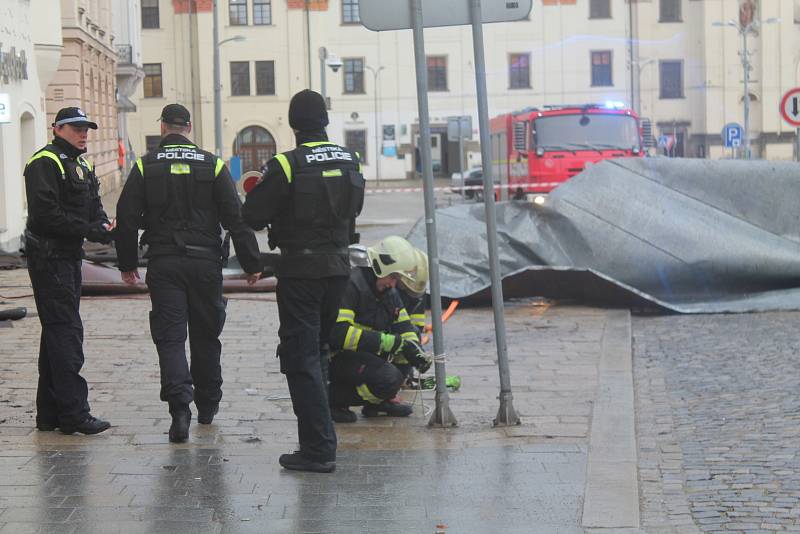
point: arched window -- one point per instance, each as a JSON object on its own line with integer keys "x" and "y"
{"x": 255, "y": 146}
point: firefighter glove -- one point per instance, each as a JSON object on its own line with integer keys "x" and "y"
{"x": 416, "y": 355}
{"x": 390, "y": 344}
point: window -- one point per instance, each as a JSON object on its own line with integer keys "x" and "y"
{"x": 151, "y": 142}
{"x": 519, "y": 72}
{"x": 152, "y": 80}
{"x": 353, "y": 75}
{"x": 599, "y": 9}
{"x": 671, "y": 76}
{"x": 356, "y": 140}
{"x": 237, "y": 12}
{"x": 265, "y": 77}
{"x": 437, "y": 73}
{"x": 262, "y": 12}
{"x": 240, "y": 78}
{"x": 150, "y": 14}
{"x": 601, "y": 68}
{"x": 350, "y": 12}
{"x": 669, "y": 11}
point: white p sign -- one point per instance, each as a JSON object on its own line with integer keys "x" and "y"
{"x": 5, "y": 108}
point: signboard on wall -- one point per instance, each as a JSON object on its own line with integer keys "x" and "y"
{"x": 5, "y": 108}
{"x": 389, "y": 141}
{"x": 313, "y": 5}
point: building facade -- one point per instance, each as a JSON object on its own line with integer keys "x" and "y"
{"x": 86, "y": 79}
{"x": 669, "y": 60}
{"x": 30, "y": 49}
{"x": 127, "y": 23}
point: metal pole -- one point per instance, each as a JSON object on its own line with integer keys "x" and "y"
{"x": 746, "y": 65}
{"x": 375, "y": 73}
{"x": 441, "y": 416}
{"x": 461, "y": 154}
{"x": 308, "y": 42}
{"x": 506, "y": 414}
{"x": 323, "y": 55}
{"x": 217, "y": 86}
{"x": 797, "y": 144}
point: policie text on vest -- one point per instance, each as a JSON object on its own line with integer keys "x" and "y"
{"x": 181, "y": 153}
{"x": 328, "y": 153}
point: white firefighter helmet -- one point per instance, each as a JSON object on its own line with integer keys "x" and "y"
{"x": 416, "y": 288}
{"x": 393, "y": 255}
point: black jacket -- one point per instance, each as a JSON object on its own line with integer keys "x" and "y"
{"x": 63, "y": 197}
{"x": 180, "y": 195}
{"x": 364, "y": 315}
{"x": 309, "y": 197}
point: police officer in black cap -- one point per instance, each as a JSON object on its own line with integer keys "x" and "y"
{"x": 309, "y": 197}
{"x": 180, "y": 194}
{"x": 64, "y": 208}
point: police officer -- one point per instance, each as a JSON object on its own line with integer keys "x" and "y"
{"x": 180, "y": 194}
{"x": 309, "y": 197}
{"x": 374, "y": 336}
{"x": 64, "y": 208}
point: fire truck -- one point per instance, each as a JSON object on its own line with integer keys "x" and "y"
{"x": 536, "y": 149}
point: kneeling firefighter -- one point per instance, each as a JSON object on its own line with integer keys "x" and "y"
{"x": 373, "y": 332}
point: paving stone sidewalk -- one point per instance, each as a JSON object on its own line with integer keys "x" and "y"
{"x": 394, "y": 475}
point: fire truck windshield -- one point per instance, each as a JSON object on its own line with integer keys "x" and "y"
{"x": 590, "y": 131}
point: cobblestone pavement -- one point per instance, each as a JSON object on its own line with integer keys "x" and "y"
{"x": 718, "y": 422}
{"x": 393, "y": 475}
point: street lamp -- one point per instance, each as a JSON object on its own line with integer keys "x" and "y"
{"x": 745, "y": 27}
{"x": 375, "y": 73}
{"x": 217, "y": 83}
{"x": 334, "y": 62}
{"x": 636, "y": 95}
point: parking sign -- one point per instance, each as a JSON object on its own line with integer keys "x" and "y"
{"x": 732, "y": 135}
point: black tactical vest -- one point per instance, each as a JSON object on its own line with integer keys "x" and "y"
{"x": 78, "y": 188}
{"x": 327, "y": 194}
{"x": 179, "y": 204}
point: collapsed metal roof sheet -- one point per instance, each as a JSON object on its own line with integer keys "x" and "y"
{"x": 689, "y": 235}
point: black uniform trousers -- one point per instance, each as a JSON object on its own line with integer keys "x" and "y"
{"x": 61, "y": 396}
{"x": 307, "y": 309}
{"x": 361, "y": 378}
{"x": 187, "y": 290}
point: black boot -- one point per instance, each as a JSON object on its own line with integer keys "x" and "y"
{"x": 205, "y": 415}
{"x": 343, "y": 414}
{"x": 391, "y": 407}
{"x": 181, "y": 418}
{"x": 91, "y": 425}
{"x": 298, "y": 462}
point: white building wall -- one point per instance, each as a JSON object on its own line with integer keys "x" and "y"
{"x": 29, "y": 27}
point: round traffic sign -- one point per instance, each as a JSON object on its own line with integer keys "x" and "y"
{"x": 248, "y": 181}
{"x": 790, "y": 107}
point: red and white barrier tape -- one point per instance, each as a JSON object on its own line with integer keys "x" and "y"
{"x": 456, "y": 189}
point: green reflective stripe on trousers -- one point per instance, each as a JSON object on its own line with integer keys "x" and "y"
{"x": 180, "y": 168}
{"x": 48, "y": 154}
{"x": 287, "y": 169}
{"x": 219, "y": 166}
{"x": 364, "y": 392}
{"x": 141, "y": 167}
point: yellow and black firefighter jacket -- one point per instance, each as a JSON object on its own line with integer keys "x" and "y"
{"x": 367, "y": 317}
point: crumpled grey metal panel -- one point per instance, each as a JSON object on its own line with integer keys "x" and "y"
{"x": 693, "y": 236}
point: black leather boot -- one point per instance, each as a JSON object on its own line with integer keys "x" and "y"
{"x": 181, "y": 418}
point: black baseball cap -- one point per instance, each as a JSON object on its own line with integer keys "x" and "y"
{"x": 73, "y": 116}
{"x": 175, "y": 114}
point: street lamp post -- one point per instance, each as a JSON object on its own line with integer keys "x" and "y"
{"x": 375, "y": 73}
{"x": 217, "y": 82}
{"x": 743, "y": 30}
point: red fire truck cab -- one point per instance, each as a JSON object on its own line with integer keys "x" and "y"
{"x": 534, "y": 150}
